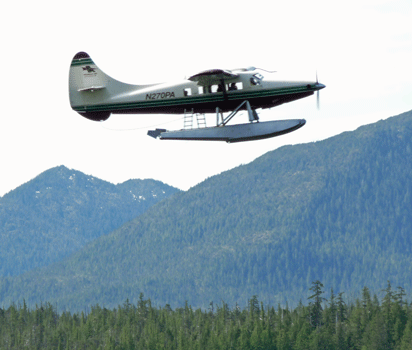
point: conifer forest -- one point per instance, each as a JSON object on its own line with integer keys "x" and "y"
{"x": 322, "y": 323}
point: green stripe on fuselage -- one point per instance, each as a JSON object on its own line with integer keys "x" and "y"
{"x": 207, "y": 98}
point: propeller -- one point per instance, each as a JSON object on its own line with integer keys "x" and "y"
{"x": 317, "y": 93}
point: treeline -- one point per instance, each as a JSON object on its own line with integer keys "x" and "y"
{"x": 322, "y": 324}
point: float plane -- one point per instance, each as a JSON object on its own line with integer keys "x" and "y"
{"x": 95, "y": 95}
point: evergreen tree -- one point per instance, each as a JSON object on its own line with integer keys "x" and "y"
{"x": 341, "y": 308}
{"x": 387, "y": 308}
{"x": 406, "y": 342}
{"x": 316, "y": 305}
{"x": 376, "y": 334}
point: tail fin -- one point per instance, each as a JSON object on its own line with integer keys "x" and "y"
{"x": 87, "y": 87}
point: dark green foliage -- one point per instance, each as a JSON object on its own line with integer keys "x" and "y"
{"x": 59, "y": 211}
{"x": 143, "y": 326}
{"x": 336, "y": 211}
{"x": 316, "y": 304}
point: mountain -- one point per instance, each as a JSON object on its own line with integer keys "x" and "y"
{"x": 336, "y": 210}
{"x": 59, "y": 211}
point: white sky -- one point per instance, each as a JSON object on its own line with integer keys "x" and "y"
{"x": 361, "y": 49}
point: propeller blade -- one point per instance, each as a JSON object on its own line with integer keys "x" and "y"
{"x": 317, "y": 92}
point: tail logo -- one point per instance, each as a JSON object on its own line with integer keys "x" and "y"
{"x": 90, "y": 70}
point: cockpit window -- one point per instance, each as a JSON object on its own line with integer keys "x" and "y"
{"x": 256, "y": 79}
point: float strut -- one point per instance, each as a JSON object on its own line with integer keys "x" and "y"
{"x": 252, "y": 113}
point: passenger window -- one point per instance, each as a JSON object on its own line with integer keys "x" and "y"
{"x": 219, "y": 88}
{"x": 187, "y": 92}
{"x": 200, "y": 90}
{"x": 235, "y": 86}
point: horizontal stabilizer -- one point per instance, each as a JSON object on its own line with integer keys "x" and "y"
{"x": 91, "y": 88}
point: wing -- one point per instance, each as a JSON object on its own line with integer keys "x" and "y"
{"x": 213, "y": 76}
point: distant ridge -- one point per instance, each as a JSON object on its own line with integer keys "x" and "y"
{"x": 59, "y": 211}
{"x": 337, "y": 210}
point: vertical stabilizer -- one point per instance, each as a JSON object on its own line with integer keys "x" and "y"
{"x": 87, "y": 85}
{"x": 85, "y": 75}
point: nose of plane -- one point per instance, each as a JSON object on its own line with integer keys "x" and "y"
{"x": 319, "y": 86}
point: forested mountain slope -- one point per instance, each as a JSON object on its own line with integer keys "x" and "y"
{"x": 337, "y": 210}
{"x": 59, "y": 211}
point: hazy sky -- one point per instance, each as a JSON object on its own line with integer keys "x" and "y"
{"x": 362, "y": 51}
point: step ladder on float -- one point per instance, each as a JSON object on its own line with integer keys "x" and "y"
{"x": 188, "y": 120}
